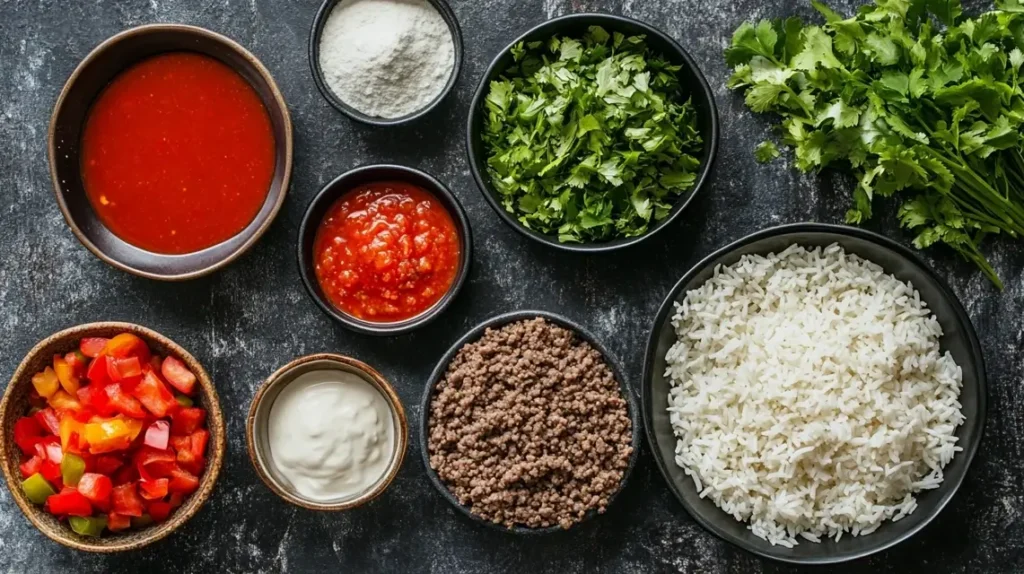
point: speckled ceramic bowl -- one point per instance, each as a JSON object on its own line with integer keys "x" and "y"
{"x": 258, "y": 440}
{"x": 15, "y": 405}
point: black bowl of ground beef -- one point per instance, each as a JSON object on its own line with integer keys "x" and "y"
{"x": 528, "y": 425}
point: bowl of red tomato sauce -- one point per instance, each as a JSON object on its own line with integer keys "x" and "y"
{"x": 112, "y": 436}
{"x": 384, "y": 249}
{"x": 170, "y": 151}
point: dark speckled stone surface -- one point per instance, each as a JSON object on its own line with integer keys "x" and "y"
{"x": 245, "y": 321}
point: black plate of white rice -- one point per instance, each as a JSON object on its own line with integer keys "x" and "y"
{"x": 813, "y": 393}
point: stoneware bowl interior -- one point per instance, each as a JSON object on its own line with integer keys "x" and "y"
{"x": 257, "y": 425}
{"x": 958, "y": 338}
{"x": 316, "y": 35}
{"x": 15, "y": 404}
{"x": 693, "y": 83}
{"x": 474, "y": 335}
{"x": 93, "y": 74}
{"x": 346, "y": 182}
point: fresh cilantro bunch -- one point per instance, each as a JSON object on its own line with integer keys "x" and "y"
{"x": 590, "y": 138}
{"x": 912, "y": 96}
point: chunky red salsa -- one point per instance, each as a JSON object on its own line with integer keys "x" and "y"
{"x": 386, "y": 252}
{"x": 177, "y": 154}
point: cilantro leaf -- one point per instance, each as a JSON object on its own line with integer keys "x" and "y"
{"x": 911, "y": 96}
{"x": 766, "y": 151}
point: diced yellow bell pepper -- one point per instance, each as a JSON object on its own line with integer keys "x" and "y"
{"x": 111, "y": 434}
{"x": 46, "y": 382}
{"x": 69, "y": 426}
{"x": 62, "y": 401}
{"x": 66, "y": 375}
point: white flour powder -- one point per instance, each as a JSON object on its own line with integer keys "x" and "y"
{"x": 386, "y": 58}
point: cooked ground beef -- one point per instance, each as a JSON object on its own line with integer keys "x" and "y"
{"x": 528, "y": 427}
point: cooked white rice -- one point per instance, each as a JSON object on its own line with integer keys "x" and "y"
{"x": 809, "y": 395}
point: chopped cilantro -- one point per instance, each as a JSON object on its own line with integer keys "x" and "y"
{"x": 766, "y": 152}
{"x": 914, "y": 98}
{"x": 590, "y": 139}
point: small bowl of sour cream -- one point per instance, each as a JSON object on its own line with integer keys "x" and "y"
{"x": 327, "y": 432}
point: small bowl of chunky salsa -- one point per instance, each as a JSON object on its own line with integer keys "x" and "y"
{"x": 384, "y": 249}
{"x": 170, "y": 151}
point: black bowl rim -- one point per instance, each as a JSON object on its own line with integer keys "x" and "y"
{"x": 486, "y": 189}
{"x": 315, "y": 34}
{"x": 459, "y": 217}
{"x": 288, "y": 144}
{"x": 961, "y": 316}
{"x": 474, "y": 334}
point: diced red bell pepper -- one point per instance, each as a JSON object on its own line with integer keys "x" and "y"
{"x": 118, "y": 522}
{"x": 97, "y": 373}
{"x": 95, "y": 487}
{"x": 27, "y": 432}
{"x": 127, "y": 345}
{"x": 106, "y": 464}
{"x": 159, "y": 510}
{"x": 69, "y": 502}
{"x": 31, "y": 466}
{"x": 158, "y": 434}
{"x": 48, "y": 420}
{"x": 146, "y": 460}
{"x": 125, "y": 475}
{"x": 179, "y": 443}
{"x": 49, "y": 449}
{"x": 178, "y": 375}
{"x": 123, "y": 402}
{"x": 50, "y": 471}
{"x": 187, "y": 420}
{"x": 183, "y": 481}
{"x": 127, "y": 367}
{"x": 154, "y": 395}
{"x": 154, "y": 363}
{"x": 188, "y": 461}
{"x": 126, "y": 500}
{"x": 153, "y": 489}
{"x": 92, "y": 397}
{"x": 175, "y": 499}
{"x": 199, "y": 440}
{"x": 92, "y": 346}
{"x": 77, "y": 361}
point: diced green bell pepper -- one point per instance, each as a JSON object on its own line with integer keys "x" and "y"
{"x": 72, "y": 467}
{"x": 140, "y": 521}
{"x": 88, "y": 525}
{"x": 183, "y": 401}
{"x": 37, "y": 489}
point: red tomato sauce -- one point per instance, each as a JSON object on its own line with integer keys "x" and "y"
{"x": 177, "y": 154}
{"x": 386, "y": 252}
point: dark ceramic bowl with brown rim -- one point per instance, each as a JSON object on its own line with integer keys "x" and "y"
{"x": 316, "y": 35}
{"x": 15, "y": 404}
{"x": 86, "y": 83}
{"x": 369, "y": 174}
{"x": 258, "y": 439}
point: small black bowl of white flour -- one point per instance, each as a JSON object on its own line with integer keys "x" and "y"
{"x": 385, "y": 62}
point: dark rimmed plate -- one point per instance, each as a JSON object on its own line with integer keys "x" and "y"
{"x": 473, "y": 335}
{"x": 576, "y": 24}
{"x": 958, "y": 338}
{"x": 89, "y": 79}
{"x": 342, "y": 185}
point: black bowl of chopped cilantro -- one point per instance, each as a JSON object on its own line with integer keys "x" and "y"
{"x": 591, "y": 132}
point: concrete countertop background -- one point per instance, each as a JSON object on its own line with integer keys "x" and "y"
{"x": 252, "y": 317}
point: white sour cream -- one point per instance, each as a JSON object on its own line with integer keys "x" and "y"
{"x": 331, "y": 435}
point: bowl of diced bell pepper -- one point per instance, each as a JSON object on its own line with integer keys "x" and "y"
{"x": 112, "y": 436}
